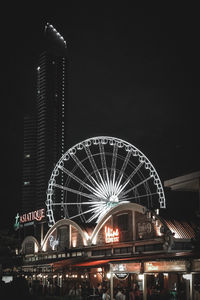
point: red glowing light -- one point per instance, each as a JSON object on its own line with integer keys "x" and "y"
{"x": 112, "y": 236}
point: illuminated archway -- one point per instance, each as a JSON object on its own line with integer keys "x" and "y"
{"x": 60, "y": 223}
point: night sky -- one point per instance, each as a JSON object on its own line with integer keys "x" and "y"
{"x": 134, "y": 75}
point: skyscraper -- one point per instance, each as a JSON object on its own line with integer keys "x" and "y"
{"x": 29, "y": 163}
{"x": 48, "y": 124}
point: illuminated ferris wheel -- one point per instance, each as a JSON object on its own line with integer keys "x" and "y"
{"x": 97, "y": 174}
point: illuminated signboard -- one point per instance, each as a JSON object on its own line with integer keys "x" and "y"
{"x": 165, "y": 266}
{"x": 36, "y": 215}
{"x": 152, "y": 267}
{"x": 111, "y": 235}
{"x": 127, "y": 268}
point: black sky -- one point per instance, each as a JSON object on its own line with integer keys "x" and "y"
{"x": 134, "y": 75}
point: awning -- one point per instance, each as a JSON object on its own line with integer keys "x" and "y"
{"x": 93, "y": 262}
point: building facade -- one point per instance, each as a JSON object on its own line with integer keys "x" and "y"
{"x": 131, "y": 245}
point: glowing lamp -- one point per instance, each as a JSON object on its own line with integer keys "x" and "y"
{"x": 187, "y": 276}
{"x": 99, "y": 269}
{"x": 141, "y": 276}
{"x": 108, "y": 275}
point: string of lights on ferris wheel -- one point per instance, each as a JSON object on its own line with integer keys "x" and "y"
{"x": 105, "y": 176}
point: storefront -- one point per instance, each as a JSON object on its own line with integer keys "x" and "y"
{"x": 130, "y": 247}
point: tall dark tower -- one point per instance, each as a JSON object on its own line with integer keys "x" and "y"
{"x": 51, "y": 97}
{"x": 44, "y": 132}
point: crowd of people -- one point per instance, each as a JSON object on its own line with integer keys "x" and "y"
{"x": 19, "y": 286}
{"x": 83, "y": 291}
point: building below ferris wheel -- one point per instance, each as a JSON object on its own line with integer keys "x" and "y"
{"x": 111, "y": 232}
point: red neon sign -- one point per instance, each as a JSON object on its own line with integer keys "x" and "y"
{"x": 37, "y": 215}
{"x": 112, "y": 236}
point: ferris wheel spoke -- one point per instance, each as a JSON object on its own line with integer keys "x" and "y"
{"x": 93, "y": 164}
{"x": 104, "y": 187}
{"x": 101, "y": 190}
{"x": 81, "y": 182}
{"x": 124, "y": 165}
{"x": 97, "y": 213}
{"x": 114, "y": 161}
{"x": 108, "y": 183}
{"x": 83, "y": 213}
{"x": 103, "y": 159}
{"x": 85, "y": 171}
{"x": 136, "y": 186}
{"x": 141, "y": 196}
{"x": 130, "y": 177}
{"x": 75, "y": 191}
{"x": 77, "y": 203}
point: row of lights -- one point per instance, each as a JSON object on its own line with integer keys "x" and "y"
{"x": 67, "y": 276}
{"x": 108, "y": 275}
{"x": 70, "y": 276}
{"x": 62, "y": 130}
{"x": 57, "y": 33}
{"x": 40, "y": 275}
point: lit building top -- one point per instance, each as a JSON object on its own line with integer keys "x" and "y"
{"x": 50, "y": 29}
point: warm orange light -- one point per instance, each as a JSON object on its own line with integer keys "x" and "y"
{"x": 111, "y": 235}
{"x": 74, "y": 243}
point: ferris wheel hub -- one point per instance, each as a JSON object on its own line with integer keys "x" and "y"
{"x": 114, "y": 198}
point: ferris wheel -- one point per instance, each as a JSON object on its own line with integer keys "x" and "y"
{"x": 97, "y": 174}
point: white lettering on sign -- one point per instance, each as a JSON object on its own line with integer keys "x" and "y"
{"x": 144, "y": 227}
{"x": 37, "y": 215}
{"x": 111, "y": 235}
